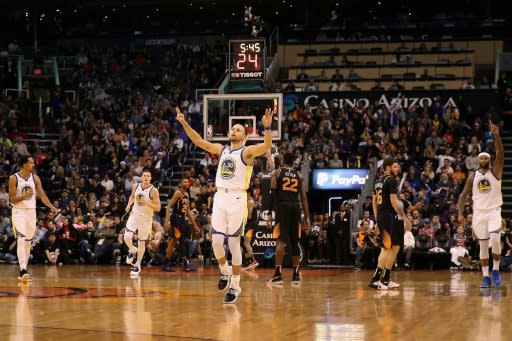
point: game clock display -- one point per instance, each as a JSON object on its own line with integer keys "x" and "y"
{"x": 247, "y": 59}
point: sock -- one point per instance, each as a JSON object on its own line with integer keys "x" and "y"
{"x": 278, "y": 271}
{"x": 296, "y": 269}
{"x": 235, "y": 281}
{"x": 376, "y": 275}
{"x": 224, "y": 268}
{"x": 27, "y": 251}
{"x": 21, "y": 253}
{"x": 485, "y": 270}
{"x": 496, "y": 265}
{"x": 385, "y": 276}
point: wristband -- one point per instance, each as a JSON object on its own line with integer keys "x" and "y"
{"x": 267, "y": 129}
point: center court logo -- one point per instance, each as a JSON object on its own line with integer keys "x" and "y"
{"x": 227, "y": 168}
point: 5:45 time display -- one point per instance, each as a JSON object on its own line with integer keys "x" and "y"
{"x": 247, "y": 59}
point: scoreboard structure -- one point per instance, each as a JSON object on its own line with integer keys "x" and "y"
{"x": 247, "y": 59}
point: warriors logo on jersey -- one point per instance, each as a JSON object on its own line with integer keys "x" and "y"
{"x": 139, "y": 198}
{"x": 27, "y": 189}
{"x": 227, "y": 168}
{"x": 484, "y": 186}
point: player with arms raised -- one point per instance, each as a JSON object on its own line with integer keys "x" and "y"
{"x": 229, "y": 211}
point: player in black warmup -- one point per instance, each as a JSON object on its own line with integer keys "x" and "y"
{"x": 286, "y": 187}
{"x": 386, "y": 206}
{"x": 178, "y": 226}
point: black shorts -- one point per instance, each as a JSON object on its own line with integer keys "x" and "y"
{"x": 287, "y": 222}
{"x": 179, "y": 227}
{"x": 390, "y": 231}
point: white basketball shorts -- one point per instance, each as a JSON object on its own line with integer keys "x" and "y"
{"x": 24, "y": 222}
{"x": 229, "y": 212}
{"x": 486, "y": 221}
{"x": 141, "y": 225}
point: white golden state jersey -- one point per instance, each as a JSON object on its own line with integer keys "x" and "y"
{"x": 22, "y": 186}
{"x": 486, "y": 191}
{"x": 233, "y": 172}
{"x": 138, "y": 208}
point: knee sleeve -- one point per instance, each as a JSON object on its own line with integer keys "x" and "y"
{"x": 484, "y": 249}
{"x": 495, "y": 243}
{"x": 218, "y": 245}
{"x": 234, "y": 248}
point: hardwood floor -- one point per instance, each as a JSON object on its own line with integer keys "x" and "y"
{"x": 103, "y": 303}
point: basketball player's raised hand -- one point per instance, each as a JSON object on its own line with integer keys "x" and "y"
{"x": 267, "y": 119}
{"x": 494, "y": 128}
{"x": 179, "y": 115}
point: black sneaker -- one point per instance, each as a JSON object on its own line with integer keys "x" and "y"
{"x": 276, "y": 280}
{"x": 296, "y": 278}
{"x": 224, "y": 281}
{"x": 232, "y": 295}
{"x": 167, "y": 268}
{"x": 24, "y": 276}
{"x": 187, "y": 267}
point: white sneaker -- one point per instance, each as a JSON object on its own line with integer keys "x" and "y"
{"x": 393, "y": 285}
{"x": 130, "y": 259}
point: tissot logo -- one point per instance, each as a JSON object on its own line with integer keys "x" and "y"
{"x": 348, "y": 179}
{"x": 247, "y": 74}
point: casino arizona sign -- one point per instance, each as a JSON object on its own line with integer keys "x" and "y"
{"x": 389, "y": 102}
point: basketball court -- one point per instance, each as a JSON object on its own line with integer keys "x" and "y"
{"x": 91, "y": 302}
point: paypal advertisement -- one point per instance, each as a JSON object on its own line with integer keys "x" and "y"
{"x": 339, "y": 179}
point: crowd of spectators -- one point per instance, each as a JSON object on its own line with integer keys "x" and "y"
{"x": 123, "y": 119}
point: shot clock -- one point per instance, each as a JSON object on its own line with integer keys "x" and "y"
{"x": 247, "y": 59}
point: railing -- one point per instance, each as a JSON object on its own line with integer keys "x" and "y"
{"x": 65, "y": 62}
{"x": 73, "y": 92}
{"x": 199, "y": 92}
{"x": 17, "y": 91}
{"x": 273, "y": 42}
